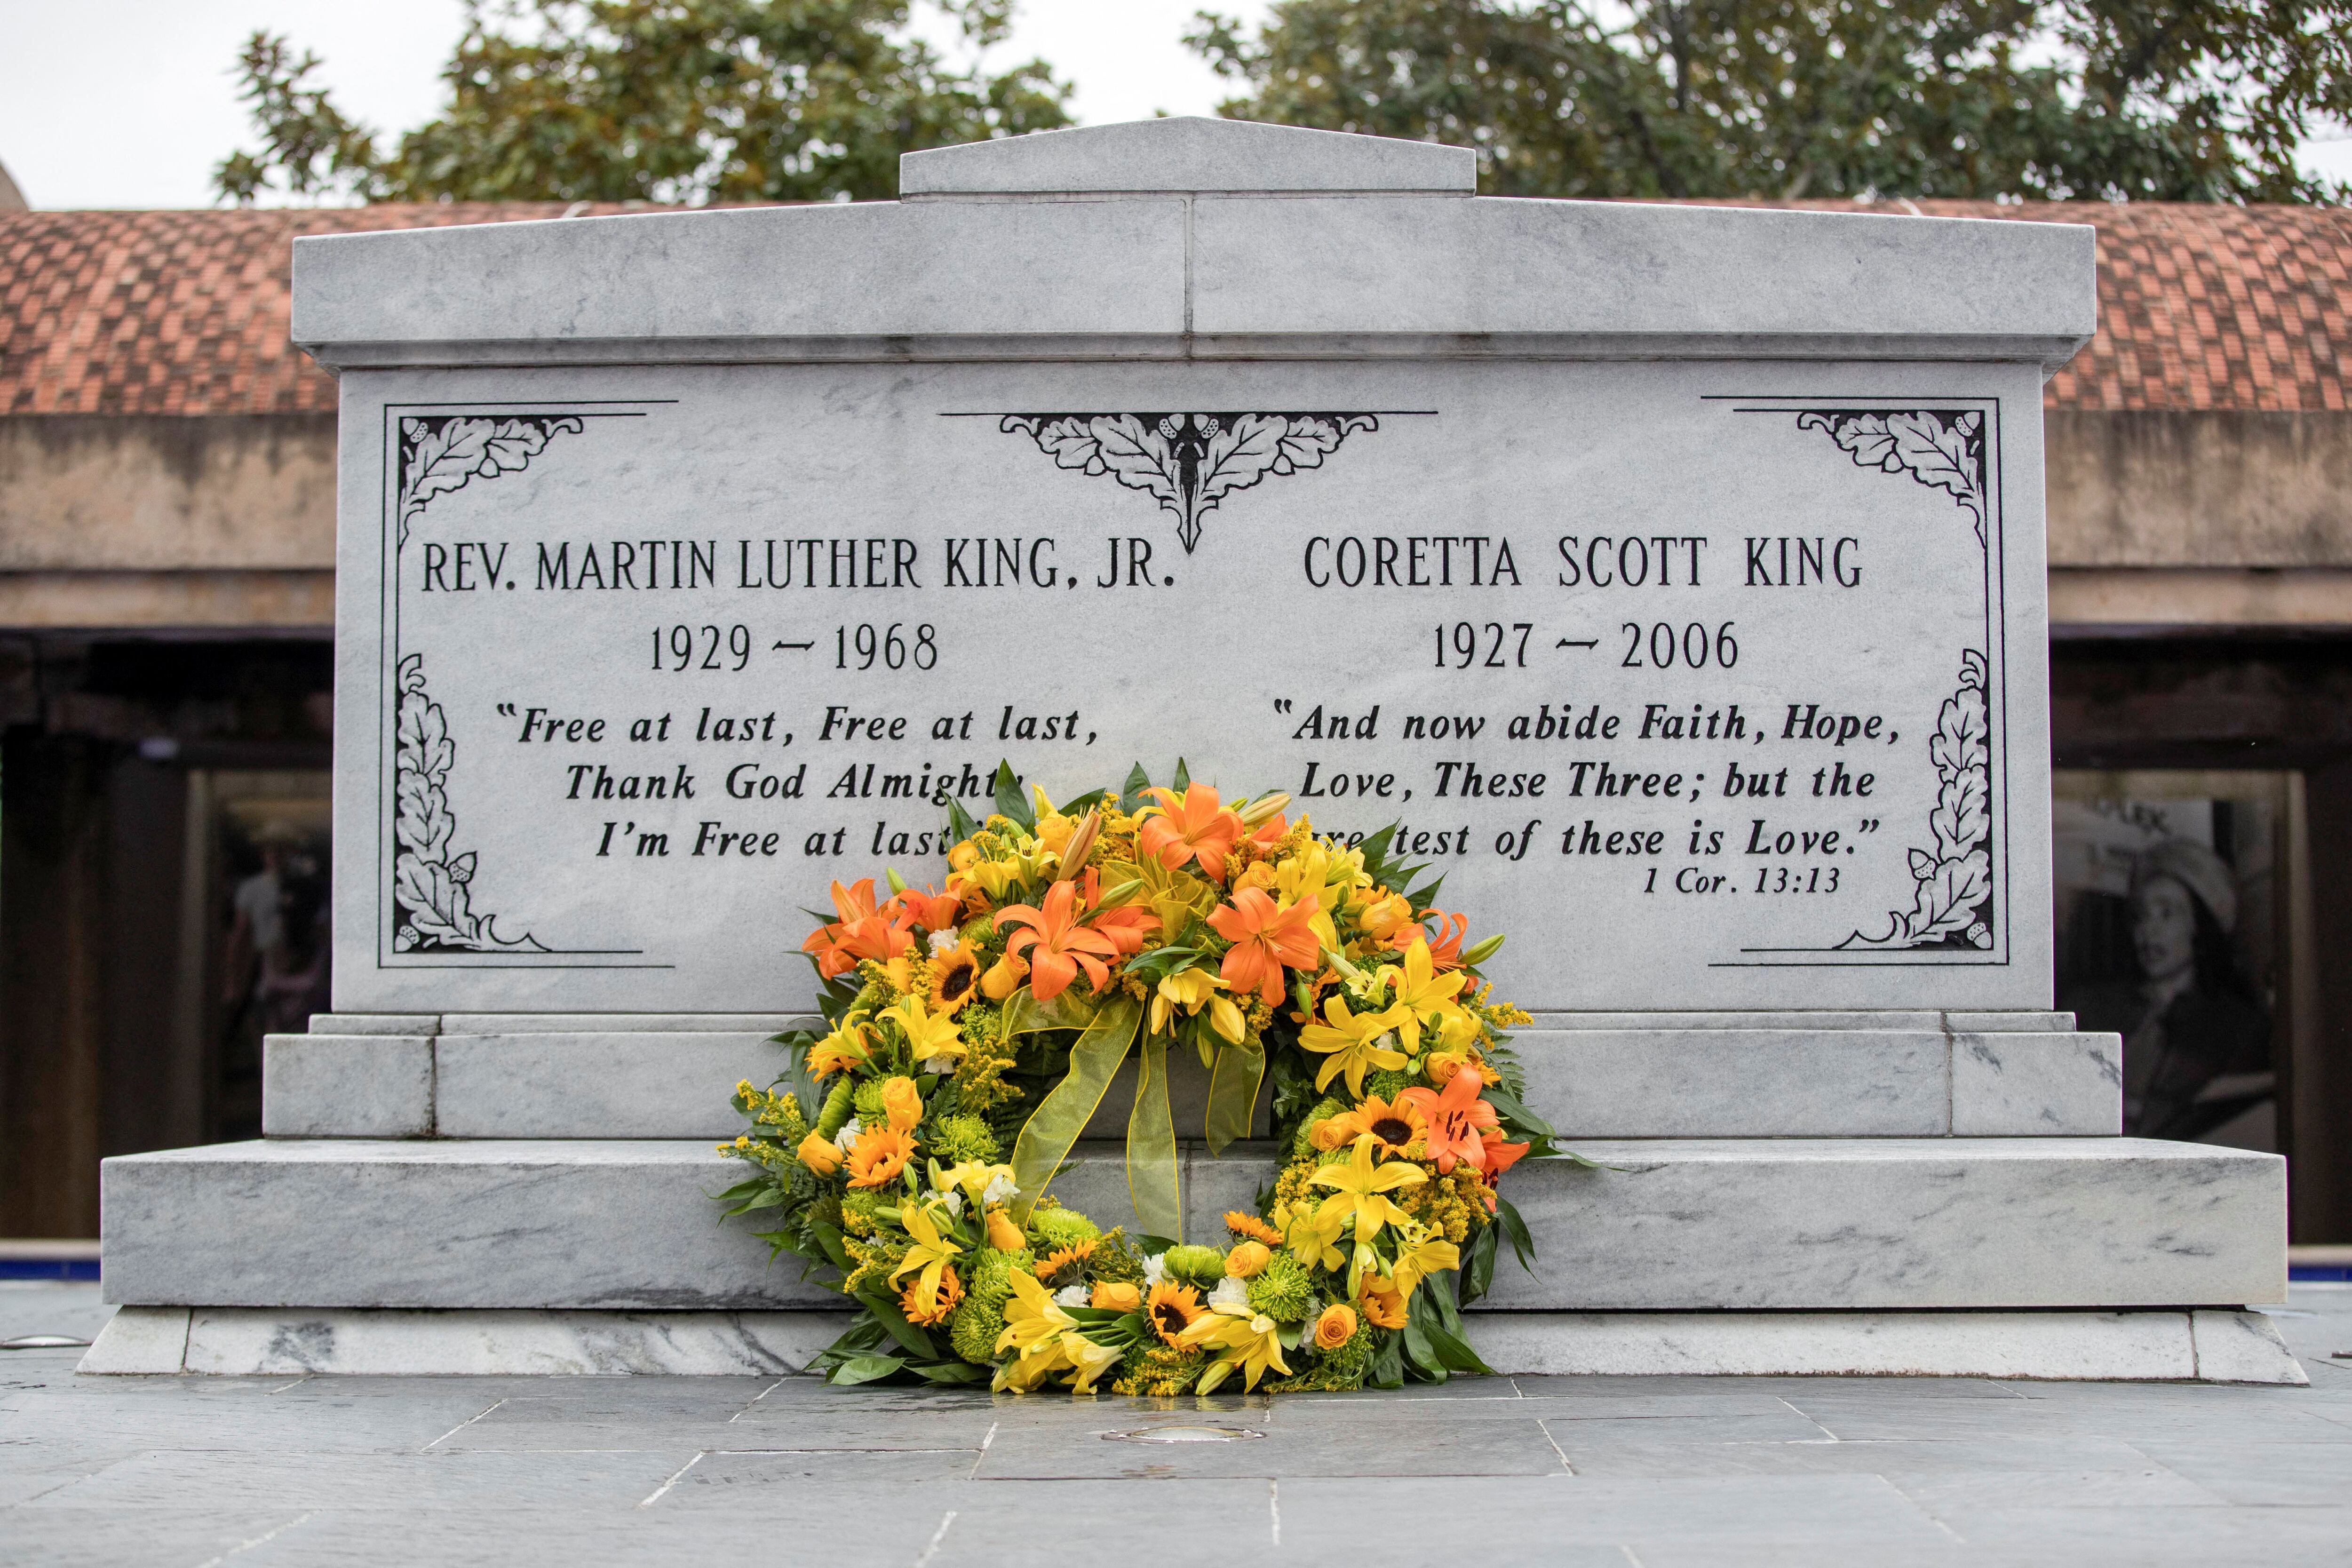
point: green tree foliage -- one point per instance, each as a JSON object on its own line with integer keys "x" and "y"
{"x": 665, "y": 100}
{"x": 2173, "y": 100}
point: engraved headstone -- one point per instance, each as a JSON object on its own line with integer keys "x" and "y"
{"x": 1672, "y": 576}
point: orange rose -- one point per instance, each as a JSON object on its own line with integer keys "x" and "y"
{"x": 1334, "y": 1328}
{"x": 1247, "y": 1259}
{"x": 818, "y": 1156}
{"x": 1116, "y": 1298}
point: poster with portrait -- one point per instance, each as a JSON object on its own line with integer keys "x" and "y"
{"x": 2168, "y": 935}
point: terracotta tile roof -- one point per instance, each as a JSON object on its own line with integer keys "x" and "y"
{"x": 2205, "y": 306}
{"x": 184, "y": 313}
{"x": 173, "y": 312}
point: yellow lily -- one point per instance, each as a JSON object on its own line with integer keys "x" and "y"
{"x": 1347, "y": 1044}
{"x": 1246, "y": 1339}
{"x": 969, "y": 1178}
{"x": 1421, "y": 1255}
{"x": 931, "y": 1037}
{"x": 847, "y": 1045}
{"x": 1417, "y": 988}
{"x": 1032, "y": 1322}
{"x": 1361, "y": 1194}
{"x": 931, "y": 1252}
{"x": 1088, "y": 1361}
{"x": 1310, "y": 1239}
{"x": 1191, "y": 990}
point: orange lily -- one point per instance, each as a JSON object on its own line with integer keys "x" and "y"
{"x": 1267, "y": 939}
{"x": 1055, "y": 944}
{"x": 1496, "y": 1156}
{"x": 1457, "y": 1120}
{"x": 929, "y": 911}
{"x": 1192, "y": 828}
{"x": 863, "y": 931}
{"x": 1445, "y": 949}
{"x": 1126, "y": 926}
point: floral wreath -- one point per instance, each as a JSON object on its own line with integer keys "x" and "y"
{"x": 974, "y": 1030}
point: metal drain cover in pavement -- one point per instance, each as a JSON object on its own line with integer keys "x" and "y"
{"x": 43, "y": 1342}
{"x": 1184, "y": 1434}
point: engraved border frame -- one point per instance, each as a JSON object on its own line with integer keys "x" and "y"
{"x": 388, "y": 545}
{"x": 1994, "y": 581}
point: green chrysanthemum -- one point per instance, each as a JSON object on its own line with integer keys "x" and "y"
{"x": 1387, "y": 1083}
{"x": 867, "y": 1100}
{"x": 962, "y": 1137}
{"x": 978, "y": 1323}
{"x": 1201, "y": 1266}
{"x": 1282, "y": 1289}
{"x": 1052, "y": 1228}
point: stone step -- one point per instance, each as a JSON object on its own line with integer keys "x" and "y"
{"x": 1712, "y": 1082}
{"x": 259, "y": 1341}
{"x": 1764, "y": 1224}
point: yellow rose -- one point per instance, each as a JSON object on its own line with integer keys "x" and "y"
{"x": 1116, "y": 1298}
{"x": 1334, "y": 1328}
{"x": 819, "y": 1155}
{"x": 1003, "y": 979}
{"x": 1246, "y": 1259}
{"x": 1003, "y": 1233}
{"x": 903, "y": 1103}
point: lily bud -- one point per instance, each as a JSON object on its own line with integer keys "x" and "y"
{"x": 1480, "y": 953}
{"x": 897, "y": 883}
{"x": 1081, "y": 844}
{"x": 1264, "y": 808}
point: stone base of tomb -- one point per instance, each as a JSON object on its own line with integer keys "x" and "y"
{"x": 1810, "y": 1194}
{"x": 2198, "y": 1346}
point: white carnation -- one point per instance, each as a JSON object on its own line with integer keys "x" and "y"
{"x": 848, "y": 1135}
{"x": 1000, "y": 1189}
{"x": 1071, "y": 1296}
{"x": 1155, "y": 1269}
{"x": 952, "y": 1201}
{"x": 1230, "y": 1292}
{"x": 939, "y": 1063}
{"x": 942, "y": 942}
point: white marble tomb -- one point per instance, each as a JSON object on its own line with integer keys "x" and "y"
{"x": 1674, "y": 575}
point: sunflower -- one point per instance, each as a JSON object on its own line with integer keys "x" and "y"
{"x": 1066, "y": 1265}
{"x": 1172, "y": 1308}
{"x": 1383, "y": 1308}
{"x": 916, "y": 1311}
{"x": 1249, "y": 1227}
{"x": 1393, "y": 1127}
{"x": 954, "y": 977}
{"x": 878, "y": 1156}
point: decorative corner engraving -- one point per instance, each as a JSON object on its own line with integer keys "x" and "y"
{"x": 431, "y": 906}
{"x": 439, "y": 453}
{"x": 431, "y": 910}
{"x": 1188, "y": 462}
{"x": 1952, "y": 903}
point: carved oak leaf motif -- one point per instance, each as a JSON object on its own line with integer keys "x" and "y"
{"x": 439, "y": 455}
{"x": 1952, "y": 875}
{"x": 1188, "y": 462}
{"x": 1940, "y": 449}
{"x": 431, "y": 906}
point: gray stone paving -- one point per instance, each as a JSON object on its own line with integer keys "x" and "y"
{"x": 1652, "y": 1473}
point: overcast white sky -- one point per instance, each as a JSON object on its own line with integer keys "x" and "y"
{"x": 130, "y": 104}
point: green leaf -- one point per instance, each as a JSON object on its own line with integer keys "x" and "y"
{"x": 1184, "y": 779}
{"x": 1009, "y": 803}
{"x": 1478, "y": 1268}
{"x": 894, "y": 1322}
{"x": 1387, "y": 1361}
{"x": 859, "y": 1369}
{"x": 960, "y": 822}
{"x": 950, "y": 1373}
{"x": 1131, "y": 795}
{"x": 1515, "y": 1230}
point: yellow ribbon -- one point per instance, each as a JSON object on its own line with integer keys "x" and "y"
{"x": 1046, "y": 1137}
{"x": 1232, "y": 1094}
